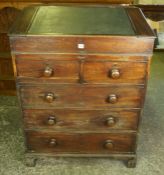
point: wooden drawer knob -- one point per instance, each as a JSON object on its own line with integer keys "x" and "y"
{"x": 53, "y": 142}
{"x": 112, "y": 98}
{"x": 110, "y": 121}
{"x": 108, "y": 144}
{"x": 115, "y": 73}
{"x": 51, "y": 120}
{"x": 48, "y": 72}
{"x": 49, "y": 97}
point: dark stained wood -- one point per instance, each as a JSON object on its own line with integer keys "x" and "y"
{"x": 101, "y": 72}
{"x": 4, "y": 43}
{"x": 23, "y": 21}
{"x": 82, "y": 120}
{"x": 66, "y": 68}
{"x": 7, "y": 16}
{"x": 81, "y": 96}
{"x": 7, "y": 87}
{"x": 11, "y": 8}
{"x": 6, "y": 69}
{"x": 7, "y": 83}
{"x": 82, "y": 101}
{"x": 101, "y": 44}
{"x": 140, "y": 25}
{"x": 40, "y": 142}
{"x": 62, "y": 71}
{"x": 153, "y": 12}
{"x": 82, "y": 56}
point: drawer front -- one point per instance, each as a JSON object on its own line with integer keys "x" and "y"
{"x": 76, "y": 44}
{"x": 51, "y": 142}
{"x": 66, "y": 68}
{"x": 47, "y": 70}
{"x": 114, "y": 72}
{"x": 88, "y": 120}
{"x": 81, "y": 96}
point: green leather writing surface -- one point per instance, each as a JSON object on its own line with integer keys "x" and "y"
{"x": 81, "y": 21}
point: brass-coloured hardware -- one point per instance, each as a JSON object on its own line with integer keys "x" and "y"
{"x": 48, "y": 71}
{"x": 108, "y": 144}
{"x": 115, "y": 73}
{"x": 49, "y": 97}
{"x": 112, "y": 98}
{"x": 53, "y": 142}
{"x": 110, "y": 121}
{"x": 51, "y": 120}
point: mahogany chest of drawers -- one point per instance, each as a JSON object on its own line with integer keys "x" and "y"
{"x": 81, "y": 76}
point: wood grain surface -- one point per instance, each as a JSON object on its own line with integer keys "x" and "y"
{"x": 98, "y": 44}
{"x": 66, "y": 68}
{"x": 84, "y": 96}
{"x": 39, "y": 142}
{"x": 72, "y": 102}
{"x": 81, "y": 120}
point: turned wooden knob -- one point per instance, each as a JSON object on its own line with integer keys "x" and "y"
{"x": 115, "y": 73}
{"x": 53, "y": 142}
{"x": 51, "y": 120}
{"x": 49, "y": 97}
{"x": 108, "y": 144}
{"x": 110, "y": 121}
{"x": 48, "y": 71}
{"x": 112, "y": 98}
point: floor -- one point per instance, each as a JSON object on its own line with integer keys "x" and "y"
{"x": 150, "y": 149}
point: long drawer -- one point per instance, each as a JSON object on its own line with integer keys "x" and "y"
{"x": 81, "y": 120}
{"x": 51, "y": 142}
{"x": 85, "y": 96}
{"x": 77, "y": 44}
{"x": 92, "y": 68}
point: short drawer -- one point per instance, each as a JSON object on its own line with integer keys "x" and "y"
{"x": 88, "y": 120}
{"x": 47, "y": 70}
{"x": 51, "y": 142}
{"x": 114, "y": 72}
{"x": 85, "y": 96}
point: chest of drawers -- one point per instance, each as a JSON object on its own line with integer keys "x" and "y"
{"x": 81, "y": 76}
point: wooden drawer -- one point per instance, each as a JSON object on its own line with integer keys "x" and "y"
{"x": 51, "y": 142}
{"x": 47, "y": 70}
{"x": 78, "y": 44}
{"x": 86, "y": 96}
{"x": 93, "y": 68}
{"x": 88, "y": 120}
{"x": 114, "y": 72}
